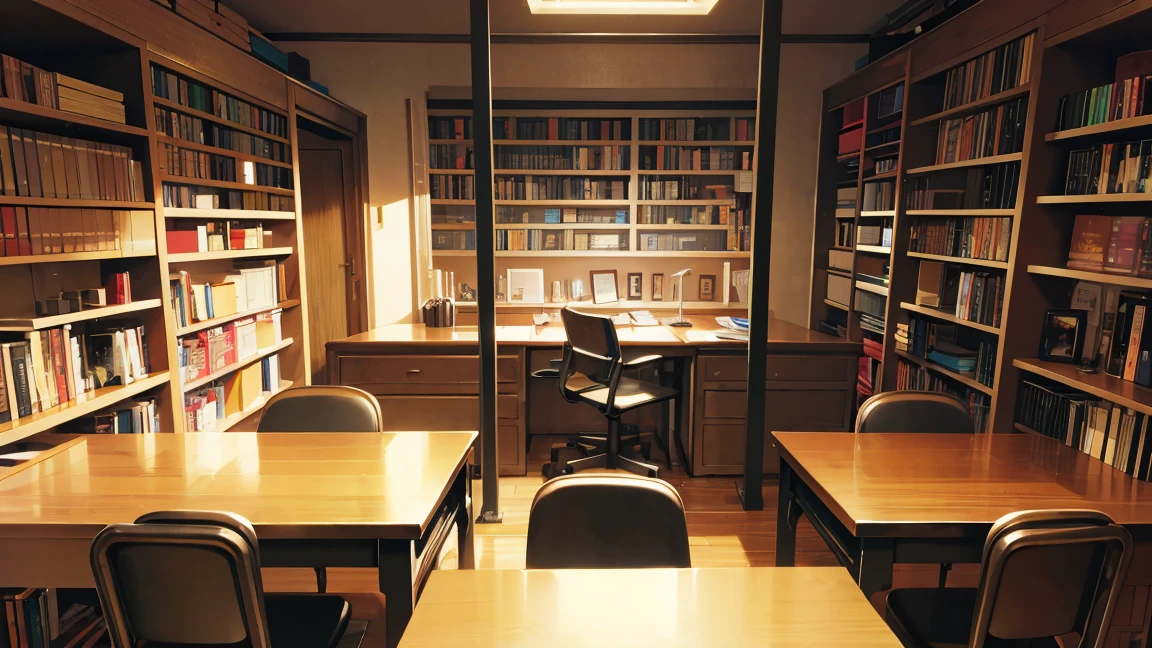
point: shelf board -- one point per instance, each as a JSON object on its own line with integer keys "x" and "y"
{"x": 697, "y": 143}
{"x": 891, "y": 213}
{"x": 619, "y": 253}
{"x": 231, "y": 421}
{"x": 1095, "y": 277}
{"x": 702, "y": 201}
{"x": 852, "y": 217}
{"x": 564, "y": 172}
{"x": 50, "y": 321}
{"x": 227, "y": 214}
{"x": 874, "y": 249}
{"x": 1094, "y": 198}
{"x": 30, "y": 201}
{"x": 1100, "y": 129}
{"x": 887, "y": 175}
{"x": 177, "y": 106}
{"x": 847, "y": 156}
{"x": 463, "y": 142}
{"x": 71, "y": 256}
{"x": 565, "y": 203}
{"x": 450, "y": 201}
{"x": 945, "y": 371}
{"x": 562, "y": 226}
{"x": 888, "y": 126}
{"x": 1003, "y": 265}
{"x": 453, "y": 227}
{"x": 849, "y": 126}
{"x": 872, "y": 288}
{"x": 1101, "y": 385}
{"x": 984, "y": 161}
{"x": 836, "y": 305}
{"x": 842, "y": 248}
{"x": 615, "y": 306}
{"x": 236, "y": 366}
{"x": 692, "y": 172}
{"x": 229, "y": 254}
{"x": 1001, "y": 97}
{"x": 685, "y": 227}
{"x": 224, "y": 184}
{"x": 83, "y": 405}
{"x": 451, "y": 171}
{"x": 558, "y": 142}
{"x": 454, "y": 253}
{"x": 883, "y": 146}
{"x": 955, "y": 213}
{"x": 22, "y": 114}
{"x": 948, "y": 317}
{"x": 216, "y": 150}
{"x": 847, "y": 274}
{"x": 216, "y": 321}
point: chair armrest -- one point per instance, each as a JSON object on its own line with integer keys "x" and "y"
{"x": 640, "y": 362}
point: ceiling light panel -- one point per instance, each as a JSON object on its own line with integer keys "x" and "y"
{"x": 623, "y": 7}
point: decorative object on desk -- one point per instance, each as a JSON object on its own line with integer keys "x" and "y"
{"x": 658, "y": 287}
{"x": 635, "y": 286}
{"x": 526, "y": 285}
{"x": 1062, "y": 338}
{"x": 557, "y": 292}
{"x": 707, "y": 287}
{"x": 604, "y": 286}
{"x": 439, "y": 313}
{"x": 678, "y": 289}
{"x": 467, "y": 293}
{"x": 576, "y": 290}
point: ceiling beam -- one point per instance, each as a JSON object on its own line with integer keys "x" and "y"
{"x": 547, "y": 38}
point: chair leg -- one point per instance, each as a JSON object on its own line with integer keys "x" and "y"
{"x": 639, "y": 467}
{"x": 321, "y": 579}
{"x": 944, "y": 569}
{"x": 596, "y": 461}
{"x": 613, "y": 452}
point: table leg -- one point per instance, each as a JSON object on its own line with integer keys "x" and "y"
{"x": 875, "y": 567}
{"x": 787, "y": 515}
{"x": 464, "y": 521}
{"x": 397, "y": 562}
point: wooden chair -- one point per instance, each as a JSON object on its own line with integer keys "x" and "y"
{"x": 322, "y": 408}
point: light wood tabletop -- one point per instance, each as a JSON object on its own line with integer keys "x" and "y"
{"x": 765, "y": 606}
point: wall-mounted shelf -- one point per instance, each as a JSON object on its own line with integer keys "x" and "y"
{"x": 51, "y": 321}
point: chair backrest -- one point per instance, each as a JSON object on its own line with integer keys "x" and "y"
{"x": 592, "y": 355}
{"x": 914, "y": 411}
{"x": 322, "y": 408}
{"x": 607, "y": 521}
{"x": 168, "y": 582}
{"x": 1050, "y": 573}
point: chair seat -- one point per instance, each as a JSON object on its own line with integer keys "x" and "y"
{"x": 630, "y": 394}
{"x": 941, "y": 618}
{"x": 306, "y": 620}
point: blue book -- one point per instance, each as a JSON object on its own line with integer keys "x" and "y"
{"x": 621, "y": 217}
{"x": 551, "y": 215}
{"x": 959, "y": 365}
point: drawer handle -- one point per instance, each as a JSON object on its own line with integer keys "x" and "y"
{"x": 413, "y": 372}
{"x": 715, "y": 374}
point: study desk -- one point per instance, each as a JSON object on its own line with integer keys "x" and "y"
{"x": 428, "y": 378}
{"x": 701, "y": 608}
{"x": 316, "y": 500}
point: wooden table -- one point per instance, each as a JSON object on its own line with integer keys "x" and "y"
{"x": 316, "y": 500}
{"x": 879, "y": 499}
{"x": 701, "y": 608}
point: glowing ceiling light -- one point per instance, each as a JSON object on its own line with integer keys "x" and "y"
{"x": 634, "y": 7}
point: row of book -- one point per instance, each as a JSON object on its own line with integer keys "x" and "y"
{"x": 520, "y": 240}
{"x": 1129, "y": 353}
{"x": 1119, "y": 167}
{"x": 688, "y": 214}
{"x": 51, "y": 230}
{"x": 1103, "y": 104}
{"x": 459, "y": 128}
{"x": 451, "y": 156}
{"x": 682, "y": 241}
{"x": 31, "y": 620}
{"x": 996, "y": 131}
{"x": 200, "y": 165}
{"x": 677, "y": 158}
{"x": 685, "y": 188}
{"x": 50, "y": 166}
{"x": 880, "y": 234}
{"x": 1112, "y": 244}
{"x": 249, "y": 287}
{"x": 194, "y": 197}
{"x": 560, "y": 128}
{"x": 195, "y": 95}
{"x": 453, "y": 240}
{"x": 885, "y": 165}
{"x": 560, "y": 188}
{"x": 22, "y": 81}
{"x": 879, "y": 196}
{"x": 560, "y": 158}
{"x": 970, "y": 296}
{"x": 1113, "y": 434}
{"x": 845, "y": 233}
{"x": 989, "y": 187}
{"x": 946, "y": 345}
{"x": 222, "y": 346}
{"x": 507, "y": 216}
{"x": 913, "y": 377}
{"x": 965, "y": 238}
{"x": 697, "y": 129}
{"x": 993, "y": 72}
{"x": 194, "y": 129}
{"x": 215, "y": 236}
{"x": 208, "y": 408}
{"x": 452, "y": 187}
{"x": 56, "y": 365}
{"x": 138, "y": 416}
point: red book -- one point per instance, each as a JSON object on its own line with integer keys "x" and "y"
{"x": 1123, "y": 245}
{"x": 59, "y": 369}
{"x": 23, "y": 242}
{"x": 116, "y": 289}
{"x": 8, "y": 223}
{"x": 182, "y": 241}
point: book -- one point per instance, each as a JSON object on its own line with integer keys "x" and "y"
{"x": 1090, "y": 239}
{"x": 1123, "y": 243}
{"x": 44, "y": 165}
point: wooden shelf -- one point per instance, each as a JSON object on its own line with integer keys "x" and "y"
{"x": 693, "y": 172}
{"x": 847, "y": 156}
{"x": 562, "y": 226}
{"x": 216, "y": 321}
{"x": 703, "y": 201}
{"x": 847, "y": 274}
{"x": 1003, "y": 265}
{"x": 682, "y": 227}
{"x": 224, "y": 184}
{"x": 885, "y": 145}
{"x": 24, "y": 114}
{"x": 984, "y": 161}
{"x": 1100, "y": 129}
{"x": 83, "y": 405}
{"x": 967, "y": 381}
{"x": 1095, "y": 277}
{"x": 1094, "y": 198}
{"x": 874, "y": 249}
{"x": 227, "y": 214}
{"x": 544, "y": 142}
{"x": 891, "y": 213}
{"x": 836, "y": 305}
{"x": 887, "y": 175}
{"x": 177, "y": 106}
{"x": 50, "y": 321}
{"x": 1101, "y": 385}
{"x": 960, "y": 213}
{"x": 618, "y": 253}
{"x": 71, "y": 256}
{"x": 563, "y": 172}
{"x": 949, "y": 317}
{"x": 1001, "y": 97}
{"x": 236, "y": 366}
{"x": 615, "y": 306}
{"x": 29, "y": 201}
{"x": 565, "y": 203}
{"x": 462, "y": 142}
{"x": 888, "y": 126}
{"x": 451, "y": 171}
{"x": 216, "y": 150}
{"x": 231, "y": 421}
{"x": 229, "y": 254}
{"x": 849, "y": 126}
{"x": 450, "y": 201}
{"x": 454, "y": 253}
{"x": 841, "y": 248}
{"x": 453, "y": 227}
{"x": 697, "y": 143}
{"x": 872, "y": 288}
{"x": 852, "y": 217}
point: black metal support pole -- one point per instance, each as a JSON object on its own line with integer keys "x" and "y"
{"x": 485, "y": 263}
{"x": 769, "y": 91}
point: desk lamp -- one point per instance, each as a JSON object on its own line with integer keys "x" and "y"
{"x": 680, "y": 320}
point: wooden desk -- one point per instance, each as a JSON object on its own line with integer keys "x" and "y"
{"x": 701, "y": 608}
{"x": 334, "y": 500}
{"x": 429, "y": 379}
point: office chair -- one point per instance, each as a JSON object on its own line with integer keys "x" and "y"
{"x": 188, "y": 578}
{"x": 607, "y": 522}
{"x": 591, "y": 372}
{"x": 1044, "y": 574}
{"x": 914, "y": 411}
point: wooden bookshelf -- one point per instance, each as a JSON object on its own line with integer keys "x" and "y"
{"x": 874, "y": 249}
{"x": 217, "y": 321}
{"x": 71, "y": 256}
{"x": 36, "y": 116}
{"x": 872, "y": 288}
{"x": 961, "y": 213}
{"x": 1094, "y": 199}
{"x": 224, "y": 184}
{"x": 221, "y": 121}
{"x": 982, "y": 161}
{"x": 985, "y": 263}
{"x": 561, "y": 172}
{"x": 1107, "y": 128}
{"x": 229, "y": 254}
{"x": 237, "y": 366}
{"x": 1100, "y": 385}
{"x": 233, "y": 420}
{"x": 948, "y": 317}
{"x": 227, "y": 214}
{"x": 28, "y": 201}
{"x": 967, "y": 381}
{"x": 890, "y": 213}
{"x": 975, "y": 106}
{"x": 1128, "y": 281}
{"x": 52, "y": 321}
{"x": 216, "y": 150}
{"x": 836, "y": 305}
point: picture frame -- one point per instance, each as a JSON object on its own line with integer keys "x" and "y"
{"x": 658, "y": 287}
{"x": 525, "y": 286}
{"x": 604, "y": 286}
{"x": 635, "y": 286}
{"x": 707, "y": 287}
{"x": 1062, "y": 335}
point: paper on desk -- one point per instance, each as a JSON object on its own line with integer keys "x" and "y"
{"x": 643, "y": 318}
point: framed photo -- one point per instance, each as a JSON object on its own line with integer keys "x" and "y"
{"x": 707, "y": 287}
{"x": 1062, "y": 336}
{"x": 658, "y": 287}
{"x": 635, "y": 286}
{"x": 604, "y": 286}
{"x": 526, "y": 286}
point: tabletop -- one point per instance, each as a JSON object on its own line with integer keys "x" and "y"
{"x": 936, "y": 484}
{"x": 290, "y": 486}
{"x": 761, "y": 606}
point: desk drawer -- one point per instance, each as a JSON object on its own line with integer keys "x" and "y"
{"x": 422, "y": 370}
{"x": 785, "y": 368}
{"x": 786, "y": 410}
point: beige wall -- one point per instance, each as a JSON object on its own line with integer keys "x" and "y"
{"x": 378, "y": 78}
